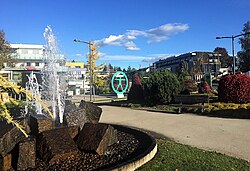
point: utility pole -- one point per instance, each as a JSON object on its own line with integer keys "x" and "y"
{"x": 90, "y": 67}
{"x": 232, "y": 38}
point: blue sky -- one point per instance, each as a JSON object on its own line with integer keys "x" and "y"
{"x": 129, "y": 32}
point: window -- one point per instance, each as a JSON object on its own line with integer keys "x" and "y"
{"x": 24, "y": 51}
{"x": 37, "y": 63}
{"x": 35, "y": 51}
{"x": 77, "y": 67}
{"x": 28, "y": 64}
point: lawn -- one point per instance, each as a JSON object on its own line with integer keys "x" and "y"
{"x": 172, "y": 156}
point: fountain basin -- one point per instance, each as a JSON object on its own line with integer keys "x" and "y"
{"x": 146, "y": 152}
{"x": 134, "y": 148}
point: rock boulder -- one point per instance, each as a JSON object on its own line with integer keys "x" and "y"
{"x": 86, "y": 113}
{"x": 11, "y": 135}
{"x": 96, "y": 137}
{"x": 55, "y": 145}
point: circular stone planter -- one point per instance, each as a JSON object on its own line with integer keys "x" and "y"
{"x": 146, "y": 151}
{"x": 133, "y": 149}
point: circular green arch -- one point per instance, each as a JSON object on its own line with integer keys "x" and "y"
{"x": 112, "y": 82}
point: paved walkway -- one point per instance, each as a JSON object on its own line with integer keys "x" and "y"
{"x": 229, "y": 136}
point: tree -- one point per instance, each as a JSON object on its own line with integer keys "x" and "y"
{"x": 129, "y": 69}
{"x": 105, "y": 68}
{"x": 119, "y": 69}
{"x": 129, "y": 73}
{"x": 5, "y": 52}
{"x": 98, "y": 82}
{"x": 160, "y": 86}
{"x": 197, "y": 65}
{"x": 244, "y": 54}
{"x": 136, "y": 90}
{"x": 110, "y": 66}
{"x": 225, "y": 59}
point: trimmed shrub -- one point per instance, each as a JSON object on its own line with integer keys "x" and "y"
{"x": 234, "y": 88}
{"x": 188, "y": 86}
{"x": 136, "y": 90}
{"x": 160, "y": 86}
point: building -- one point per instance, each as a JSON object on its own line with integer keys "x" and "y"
{"x": 28, "y": 58}
{"x": 197, "y": 64}
{"x": 74, "y": 64}
{"x": 77, "y": 78}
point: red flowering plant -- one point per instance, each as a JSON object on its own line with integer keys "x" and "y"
{"x": 136, "y": 90}
{"x": 234, "y": 88}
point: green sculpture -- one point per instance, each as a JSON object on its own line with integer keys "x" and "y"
{"x": 121, "y": 81}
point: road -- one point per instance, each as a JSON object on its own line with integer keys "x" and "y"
{"x": 228, "y": 136}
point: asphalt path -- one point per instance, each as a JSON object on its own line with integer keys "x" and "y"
{"x": 227, "y": 136}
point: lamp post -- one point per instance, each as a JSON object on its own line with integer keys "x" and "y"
{"x": 91, "y": 72}
{"x": 232, "y": 37}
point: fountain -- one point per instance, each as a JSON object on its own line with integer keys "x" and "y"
{"x": 34, "y": 87}
{"x": 51, "y": 79}
{"x": 80, "y": 143}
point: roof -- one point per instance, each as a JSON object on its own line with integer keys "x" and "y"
{"x": 26, "y": 46}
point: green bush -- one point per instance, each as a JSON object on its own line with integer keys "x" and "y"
{"x": 160, "y": 86}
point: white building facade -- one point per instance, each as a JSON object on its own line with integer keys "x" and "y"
{"x": 28, "y": 56}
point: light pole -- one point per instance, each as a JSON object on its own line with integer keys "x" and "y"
{"x": 91, "y": 72}
{"x": 232, "y": 37}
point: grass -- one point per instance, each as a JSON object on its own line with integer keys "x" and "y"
{"x": 172, "y": 156}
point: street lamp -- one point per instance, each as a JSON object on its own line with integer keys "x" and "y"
{"x": 233, "y": 37}
{"x": 91, "y": 72}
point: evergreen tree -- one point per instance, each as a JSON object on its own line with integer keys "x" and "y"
{"x": 110, "y": 66}
{"x": 105, "y": 68}
{"x": 244, "y": 54}
{"x": 119, "y": 69}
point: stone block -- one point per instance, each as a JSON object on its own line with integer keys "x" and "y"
{"x": 27, "y": 154}
{"x": 40, "y": 123}
{"x": 55, "y": 145}
{"x": 11, "y": 135}
{"x": 73, "y": 131}
{"x": 93, "y": 112}
{"x": 5, "y": 162}
{"x": 96, "y": 137}
{"x": 85, "y": 113}
{"x": 69, "y": 106}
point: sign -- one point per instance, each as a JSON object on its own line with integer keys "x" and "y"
{"x": 119, "y": 83}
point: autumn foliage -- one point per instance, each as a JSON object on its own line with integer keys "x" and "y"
{"x": 136, "y": 90}
{"x": 234, "y": 88}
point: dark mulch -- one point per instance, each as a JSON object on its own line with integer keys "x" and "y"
{"x": 121, "y": 151}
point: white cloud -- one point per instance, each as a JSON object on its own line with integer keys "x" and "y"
{"x": 101, "y": 55}
{"x": 150, "y": 59}
{"x": 163, "y": 32}
{"x": 131, "y": 46}
{"x": 120, "y": 40}
{"x": 78, "y": 55}
{"x": 154, "y": 35}
{"x": 156, "y": 57}
{"x": 123, "y": 58}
